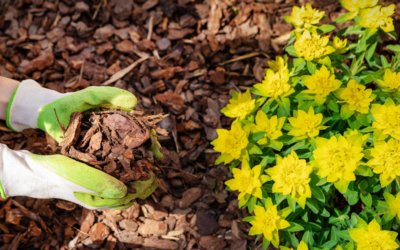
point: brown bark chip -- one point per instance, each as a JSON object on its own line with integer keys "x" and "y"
{"x": 114, "y": 141}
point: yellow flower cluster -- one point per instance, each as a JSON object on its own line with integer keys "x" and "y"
{"x": 247, "y": 181}
{"x": 305, "y": 17}
{"x": 371, "y": 237}
{"x": 272, "y": 127}
{"x": 394, "y": 204}
{"x": 279, "y": 64}
{"x": 306, "y": 125}
{"x": 385, "y": 160}
{"x": 356, "y": 96}
{"x": 390, "y": 82}
{"x": 387, "y": 118}
{"x": 275, "y": 84}
{"x": 378, "y": 17}
{"x": 312, "y": 46}
{"x": 338, "y": 158}
{"x": 355, "y": 5}
{"x": 291, "y": 176}
{"x": 232, "y": 144}
{"x": 321, "y": 84}
{"x": 240, "y": 105}
{"x": 268, "y": 221}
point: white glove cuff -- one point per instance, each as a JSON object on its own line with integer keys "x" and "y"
{"x": 26, "y": 103}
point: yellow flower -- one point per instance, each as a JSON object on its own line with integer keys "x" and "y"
{"x": 240, "y": 105}
{"x": 378, "y": 17}
{"x": 356, "y": 96}
{"x": 232, "y": 144}
{"x": 337, "y": 159}
{"x": 302, "y": 246}
{"x": 390, "y": 82}
{"x": 268, "y": 221}
{"x": 291, "y": 176}
{"x": 275, "y": 84}
{"x": 385, "y": 160}
{"x": 371, "y": 237}
{"x": 340, "y": 45}
{"x": 349, "y": 134}
{"x": 355, "y": 5}
{"x": 306, "y": 125}
{"x": 247, "y": 181}
{"x": 387, "y": 118}
{"x": 277, "y": 65}
{"x": 312, "y": 46}
{"x": 394, "y": 204}
{"x": 305, "y": 17}
{"x": 321, "y": 83}
{"x": 272, "y": 127}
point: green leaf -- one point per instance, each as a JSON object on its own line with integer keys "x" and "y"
{"x": 332, "y": 105}
{"x": 265, "y": 244}
{"x": 249, "y": 218}
{"x": 323, "y": 236}
{"x": 291, "y": 50}
{"x": 254, "y": 149}
{"x": 352, "y": 194}
{"x": 277, "y": 145}
{"x": 363, "y": 185}
{"x": 343, "y": 18}
{"x": 363, "y": 171}
{"x": 311, "y": 67}
{"x": 305, "y": 105}
{"x": 313, "y": 205}
{"x": 220, "y": 159}
{"x": 251, "y": 203}
{"x": 284, "y": 107}
{"x": 394, "y": 48}
{"x": 325, "y": 28}
{"x": 294, "y": 227}
{"x": 366, "y": 199}
{"x": 370, "y": 52}
{"x": 304, "y": 96}
{"x": 292, "y": 202}
{"x": 345, "y": 112}
{"x": 363, "y": 119}
{"x": 349, "y": 246}
{"x": 353, "y": 123}
{"x": 330, "y": 244}
{"x": 290, "y": 238}
{"x": 256, "y": 136}
{"x": 316, "y": 191}
{"x": 344, "y": 235}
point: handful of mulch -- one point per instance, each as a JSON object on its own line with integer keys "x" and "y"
{"x": 122, "y": 144}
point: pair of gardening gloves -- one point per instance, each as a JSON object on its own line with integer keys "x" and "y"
{"x": 57, "y": 176}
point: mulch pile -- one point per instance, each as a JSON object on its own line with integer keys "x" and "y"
{"x": 179, "y": 57}
{"x": 114, "y": 141}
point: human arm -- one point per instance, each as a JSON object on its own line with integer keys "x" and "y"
{"x": 7, "y": 88}
{"x": 28, "y": 105}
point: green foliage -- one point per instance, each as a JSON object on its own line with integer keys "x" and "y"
{"x": 324, "y": 133}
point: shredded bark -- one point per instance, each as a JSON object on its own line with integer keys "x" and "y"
{"x": 114, "y": 141}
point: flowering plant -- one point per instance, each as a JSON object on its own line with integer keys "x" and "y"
{"x": 315, "y": 147}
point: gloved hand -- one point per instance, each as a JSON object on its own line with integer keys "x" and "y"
{"x": 32, "y": 106}
{"x": 57, "y": 176}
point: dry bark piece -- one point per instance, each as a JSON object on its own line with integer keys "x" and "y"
{"x": 113, "y": 143}
{"x": 72, "y": 132}
{"x": 85, "y": 157}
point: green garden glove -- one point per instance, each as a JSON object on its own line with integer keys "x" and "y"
{"x": 57, "y": 176}
{"x": 32, "y": 106}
